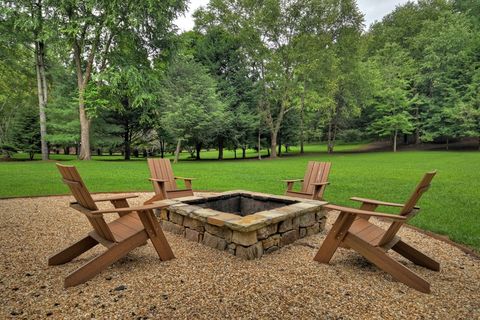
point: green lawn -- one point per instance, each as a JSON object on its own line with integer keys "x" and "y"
{"x": 451, "y": 207}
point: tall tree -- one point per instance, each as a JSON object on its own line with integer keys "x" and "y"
{"x": 194, "y": 113}
{"x": 91, "y": 28}
{"x": 29, "y": 23}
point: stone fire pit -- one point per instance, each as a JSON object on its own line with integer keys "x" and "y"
{"x": 246, "y": 224}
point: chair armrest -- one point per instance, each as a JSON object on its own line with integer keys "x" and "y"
{"x": 365, "y": 212}
{"x": 292, "y": 180}
{"x": 157, "y": 180}
{"x": 320, "y": 183}
{"x": 380, "y": 203}
{"x": 181, "y": 178}
{"x": 152, "y": 206}
{"x": 113, "y": 198}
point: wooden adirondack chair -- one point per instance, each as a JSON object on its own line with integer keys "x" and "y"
{"x": 164, "y": 182}
{"x": 353, "y": 230}
{"x": 314, "y": 182}
{"x": 133, "y": 228}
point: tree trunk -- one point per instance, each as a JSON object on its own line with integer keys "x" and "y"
{"x": 329, "y": 137}
{"x": 126, "y": 143}
{"x": 244, "y": 152}
{"x": 162, "y": 148}
{"x": 395, "y": 141}
{"x": 85, "y": 153}
{"x": 177, "y": 151}
{"x": 302, "y": 108}
{"x": 66, "y": 150}
{"x": 417, "y": 125}
{"x": 273, "y": 144}
{"x": 144, "y": 153}
{"x": 478, "y": 143}
{"x": 447, "y": 146}
{"x": 99, "y": 151}
{"x": 198, "y": 149}
{"x": 259, "y": 145}
{"x": 110, "y": 152}
{"x": 42, "y": 91}
{"x": 279, "y": 153}
{"x": 235, "y": 153}
{"x": 220, "y": 148}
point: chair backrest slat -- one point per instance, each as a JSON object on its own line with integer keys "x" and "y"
{"x": 421, "y": 188}
{"x": 162, "y": 169}
{"x": 72, "y": 179}
{"x": 409, "y": 207}
{"x": 316, "y": 172}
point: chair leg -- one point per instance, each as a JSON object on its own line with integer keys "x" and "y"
{"x": 334, "y": 237}
{"x": 416, "y": 256}
{"x": 156, "y": 235}
{"x": 99, "y": 263}
{"x": 73, "y": 251}
{"x": 382, "y": 260}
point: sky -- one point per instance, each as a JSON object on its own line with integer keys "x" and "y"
{"x": 373, "y": 10}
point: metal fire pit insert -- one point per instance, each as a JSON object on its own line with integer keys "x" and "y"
{"x": 246, "y": 224}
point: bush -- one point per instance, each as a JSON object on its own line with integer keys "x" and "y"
{"x": 7, "y": 150}
{"x": 351, "y": 135}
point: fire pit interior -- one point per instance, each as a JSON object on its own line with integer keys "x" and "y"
{"x": 245, "y": 224}
{"x": 241, "y": 204}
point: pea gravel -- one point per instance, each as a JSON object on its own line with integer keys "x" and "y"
{"x": 204, "y": 283}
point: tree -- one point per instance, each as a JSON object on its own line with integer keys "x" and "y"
{"x": 221, "y": 53}
{"x": 194, "y": 112}
{"x": 92, "y": 27}
{"x": 446, "y": 71}
{"x": 28, "y": 22}
{"x": 392, "y": 101}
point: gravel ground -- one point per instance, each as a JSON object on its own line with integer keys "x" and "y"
{"x": 203, "y": 283}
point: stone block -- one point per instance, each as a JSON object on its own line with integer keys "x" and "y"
{"x": 172, "y": 227}
{"x": 184, "y": 210}
{"x": 224, "y": 233}
{"x": 176, "y": 218}
{"x": 307, "y": 220}
{"x": 193, "y": 235}
{"x": 202, "y": 214}
{"x": 163, "y": 214}
{"x": 248, "y": 223}
{"x": 313, "y": 229}
{"x": 273, "y": 215}
{"x": 271, "y": 249}
{"x": 303, "y": 232}
{"x": 214, "y": 241}
{"x": 251, "y": 252}
{"x": 193, "y": 224}
{"x": 220, "y": 219}
{"x": 271, "y": 241}
{"x": 285, "y": 225}
{"x": 267, "y": 231}
{"x": 321, "y": 223}
{"x": 231, "y": 248}
{"x": 289, "y": 237}
{"x": 321, "y": 214}
{"x": 244, "y": 238}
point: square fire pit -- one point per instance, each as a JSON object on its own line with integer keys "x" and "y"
{"x": 246, "y": 224}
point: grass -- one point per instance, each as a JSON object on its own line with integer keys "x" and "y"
{"x": 451, "y": 207}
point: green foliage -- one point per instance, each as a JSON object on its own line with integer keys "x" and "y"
{"x": 193, "y": 110}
